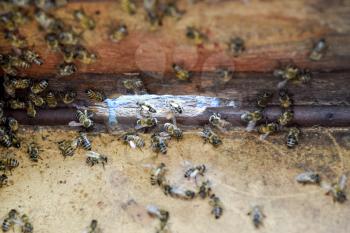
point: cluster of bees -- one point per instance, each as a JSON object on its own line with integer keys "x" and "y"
{"x": 13, "y": 219}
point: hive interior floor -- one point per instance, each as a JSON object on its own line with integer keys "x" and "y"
{"x": 64, "y": 195}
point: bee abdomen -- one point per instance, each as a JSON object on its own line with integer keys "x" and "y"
{"x": 6, "y": 224}
{"x": 51, "y": 100}
{"x": 85, "y": 142}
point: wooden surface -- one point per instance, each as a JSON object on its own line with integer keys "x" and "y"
{"x": 63, "y": 195}
{"x": 276, "y": 33}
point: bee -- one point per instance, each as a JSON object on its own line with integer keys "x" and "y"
{"x": 285, "y": 118}
{"x": 9, "y": 163}
{"x": 84, "y": 56}
{"x": 145, "y": 123}
{"x": 69, "y": 97}
{"x": 95, "y": 95}
{"x": 257, "y": 216}
{"x": 9, "y": 221}
{"x": 293, "y": 137}
{"x": 263, "y": 99}
{"x": 68, "y": 53}
{"x": 304, "y": 77}
{"x": 12, "y": 124}
{"x": 133, "y": 140}
{"x": 161, "y": 214}
{"x": 18, "y": 62}
{"x": 3, "y": 180}
{"x": 51, "y": 99}
{"x": 9, "y": 86}
{"x": 47, "y": 21}
{"x": 34, "y": 152}
{"x": 145, "y": 108}
{"x": 211, "y": 137}
{"x": 6, "y": 20}
{"x": 16, "y": 40}
{"x": 84, "y": 141}
{"x": 21, "y": 83}
{"x": 285, "y": 100}
{"x": 66, "y": 69}
{"x": 172, "y": 10}
{"x": 93, "y": 228}
{"x": 157, "y": 175}
{"x": 204, "y": 189}
{"x": 291, "y": 73}
{"x": 31, "y": 112}
{"x": 196, "y": 35}
{"x": 217, "y": 207}
{"x": 95, "y": 158}
{"x": 319, "y": 49}
{"x": 193, "y": 172}
{"x": 52, "y": 40}
{"x": 133, "y": 85}
{"x": 224, "y": 74}
{"x": 308, "y": 178}
{"x": 68, "y": 147}
{"x": 159, "y": 143}
{"x": 267, "y": 129}
{"x": 5, "y": 139}
{"x": 252, "y": 118}
{"x": 36, "y": 99}
{"x": 337, "y": 190}
{"x": 118, "y": 33}
{"x": 9, "y": 69}
{"x": 84, "y": 119}
{"x": 216, "y": 121}
{"x": 181, "y": 73}
{"x": 16, "y": 104}
{"x": 178, "y": 192}
{"x": 85, "y": 21}
{"x": 173, "y": 130}
{"x": 31, "y": 57}
{"x": 14, "y": 139}
{"x": 128, "y": 6}
{"x": 27, "y": 227}
{"x": 175, "y": 107}
{"x": 236, "y": 46}
{"x": 39, "y": 87}
{"x": 68, "y": 37}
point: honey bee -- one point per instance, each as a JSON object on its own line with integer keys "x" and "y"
{"x": 3, "y": 180}
{"x": 27, "y": 227}
{"x": 337, "y": 190}
{"x": 236, "y": 46}
{"x": 68, "y": 147}
{"x": 9, "y": 87}
{"x": 31, "y": 57}
{"x": 36, "y": 99}
{"x": 193, "y": 172}
{"x": 66, "y": 69}
{"x": 308, "y": 178}
{"x": 145, "y": 108}
{"x": 12, "y": 124}
{"x": 5, "y": 139}
{"x": 51, "y": 99}
{"x": 85, "y": 21}
{"x": 46, "y": 21}
{"x": 285, "y": 100}
{"x": 52, "y": 40}
{"x": 31, "y": 112}
{"x": 128, "y": 6}
{"x": 252, "y": 118}
{"x": 68, "y": 97}
{"x": 145, "y": 123}
{"x": 266, "y": 129}
{"x": 95, "y": 158}
{"x": 263, "y": 99}
{"x": 217, "y": 206}
{"x": 211, "y": 137}
{"x": 39, "y": 87}
{"x": 175, "y": 107}
{"x": 20, "y": 83}
{"x": 291, "y": 73}
{"x": 196, "y": 35}
{"x": 133, "y": 140}
{"x": 224, "y": 74}
{"x": 304, "y": 77}
{"x": 159, "y": 143}
{"x": 285, "y": 118}
{"x": 204, "y": 189}
{"x": 93, "y": 228}
{"x": 157, "y": 175}
{"x": 84, "y": 119}
{"x": 16, "y": 40}
{"x": 68, "y": 37}
{"x": 84, "y": 141}
{"x": 216, "y": 121}
{"x": 118, "y": 33}
{"x": 68, "y": 53}
{"x": 8, "y": 68}
{"x": 293, "y": 137}
{"x": 181, "y": 73}
{"x": 18, "y": 62}
{"x": 133, "y": 85}
{"x": 161, "y": 214}
{"x": 178, "y": 192}
{"x": 319, "y": 49}
{"x": 9, "y": 163}
{"x": 84, "y": 56}
{"x": 6, "y": 20}
{"x": 9, "y": 221}
{"x": 95, "y": 95}
{"x": 173, "y": 130}
{"x": 16, "y": 104}
{"x": 14, "y": 139}
{"x": 171, "y": 9}
{"x": 256, "y": 215}
{"x": 34, "y": 152}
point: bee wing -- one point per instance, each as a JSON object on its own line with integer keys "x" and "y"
{"x": 282, "y": 84}
{"x": 92, "y": 154}
{"x": 326, "y": 186}
{"x": 342, "y": 181}
{"x": 132, "y": 144}
{"x": 74, "y": 124}
{"x": 264, "y": 136}
{"x": 251, "y": 125}
{"x": 138, "y": 127}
